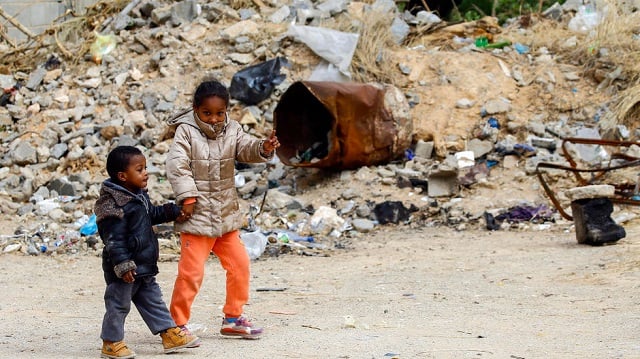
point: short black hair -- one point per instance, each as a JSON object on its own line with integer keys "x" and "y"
{"x": 119, "y": 159}
{"x": 210, "y": 88}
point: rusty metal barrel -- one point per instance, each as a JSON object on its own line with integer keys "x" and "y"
{"x": 341, "y": 125}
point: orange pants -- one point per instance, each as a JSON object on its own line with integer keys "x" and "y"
{"x": 195, "y": 250}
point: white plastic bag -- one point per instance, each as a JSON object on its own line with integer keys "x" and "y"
{"x": 255, "y": 242}
{"x": 334, "y": 46}
{"x": 585, "y": 20}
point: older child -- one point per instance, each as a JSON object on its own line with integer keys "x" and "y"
{"x": 201, "y": 168}
{"x": 125, "y": 217}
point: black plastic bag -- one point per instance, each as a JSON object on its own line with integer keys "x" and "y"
{"x": 255, "y": 83}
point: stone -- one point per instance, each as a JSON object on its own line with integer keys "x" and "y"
{"x": 592, "y": 191}
{"x": 277, "y": 200}
{"x": 464, "y": 103}
{"x": 493, "y": 107}
{"x": 363, "y": 225}
{"x": 325, "y": 220}
{"x": 424, "y": 149}
{"x": 24, "y": 154}
{"x": 35, "y": 78}
{"x": 161, "y": 15}
{"x": 62, "y": 186}
{"x": 194, "y": 34}
{"x": 399, "y": 30}
{"x": 443, "y": 184}
{"x": 242, "y": 59}
{"x": 240, "y": 28}
{"x": 479, "y": 147}
{"x": 349, "y": 193}
{"x": 280, "y": 15}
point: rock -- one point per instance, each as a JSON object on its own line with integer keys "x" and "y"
{"x": 325, "y": 220}
{"x": 35, "y": 78}
{"x": 592, "y": 191}
{"x": 443, "y": 183}
{"x": 280, "y": 15}
{"x": 10, "y": 248}
{"x": 479, "y": 147}
{"x": 362, "y": 225}
{"x": 242, "y": 59}
{"x": 62, "y": 187}
{"x": 161, "y": 15}
{"x": 24, "y": 154}
{"x": 399, "y": 30}
{"x": 194, "y": 34}
{"x": 424, "y": 149}
{"x": 278, "y": 200}
{"x": 464, "y": 103}
{"x": 240, "y": 28}
{"x": 493, "y": 107}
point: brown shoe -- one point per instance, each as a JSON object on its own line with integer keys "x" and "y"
{"x": 174, "y": 339}
{"x": 116, "y": 350}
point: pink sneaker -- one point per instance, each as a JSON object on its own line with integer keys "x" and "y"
{"x": 188, "y": 332}
{"x": 242, "y": 327}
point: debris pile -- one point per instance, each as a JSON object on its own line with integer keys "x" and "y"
{"x": 486, "y": 102}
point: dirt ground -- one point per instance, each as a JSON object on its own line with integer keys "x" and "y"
{"x": 418, "y": 293}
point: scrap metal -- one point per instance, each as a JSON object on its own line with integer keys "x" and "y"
{"x": 625, "y": 193}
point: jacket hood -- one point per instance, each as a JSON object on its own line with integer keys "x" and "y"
{"x": 190, "y": 118}
{"x": 112, "y": 198}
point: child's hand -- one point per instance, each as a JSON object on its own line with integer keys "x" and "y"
{"x": 129, "y": 277}
{"x": 271, "y": 143}
{"x": 186, "y": 212}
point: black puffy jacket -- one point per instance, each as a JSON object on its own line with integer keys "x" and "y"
{"x": 125, "y": 223}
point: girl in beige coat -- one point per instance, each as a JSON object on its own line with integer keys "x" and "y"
{"x": 201, "y": 169}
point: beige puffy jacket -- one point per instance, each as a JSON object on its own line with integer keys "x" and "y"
{"x": 201, "y": 164}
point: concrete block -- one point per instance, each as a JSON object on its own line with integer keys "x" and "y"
{"x": 443, "y": 184}
{"x": 593, "y": 191}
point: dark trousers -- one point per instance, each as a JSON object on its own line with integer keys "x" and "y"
{"x": 146, "y": 295}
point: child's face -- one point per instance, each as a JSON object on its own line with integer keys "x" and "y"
{"x": 212, "y": 110}
{"x": 135, "y": 177}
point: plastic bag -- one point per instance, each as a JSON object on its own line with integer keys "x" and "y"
{"x": 334, "y": 46}
{"x": 90, "y": 227}
{"x": 254, "y": 242}
{"x": 255, "y": 83}
{"x": 586, "y": 19}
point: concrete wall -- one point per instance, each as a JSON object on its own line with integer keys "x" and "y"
{"x": 37, "y": 15}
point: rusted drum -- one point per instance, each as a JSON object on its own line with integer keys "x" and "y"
{"x": 341, "y": 125}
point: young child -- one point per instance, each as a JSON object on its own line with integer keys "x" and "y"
{"x": 201, "y": 169}
{"x": 125, "y": 217}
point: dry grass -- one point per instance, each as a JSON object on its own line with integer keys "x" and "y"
{"x": 625, "y": 110}
{"x": 370, "y": 61}
{"x": 240, "y": 4}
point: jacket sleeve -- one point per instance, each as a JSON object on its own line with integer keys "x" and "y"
{"x": 164, "y": 213}
{"x": 248, "y": 148}
{"x": 178, "y": 165}
{"x": 116, "y": 244}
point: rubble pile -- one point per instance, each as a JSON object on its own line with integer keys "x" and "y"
{"x": 486, "y": 109}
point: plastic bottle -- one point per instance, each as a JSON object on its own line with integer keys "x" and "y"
{"x": 293, "y": 236}
{"x": 103, "y": 45}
